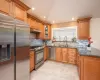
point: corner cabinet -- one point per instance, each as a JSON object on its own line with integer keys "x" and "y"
{"x": 5, "y": 6}
{"x": 83, "y": 28}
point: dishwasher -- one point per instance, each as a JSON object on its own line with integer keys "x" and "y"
{"x": 52, "y": 53}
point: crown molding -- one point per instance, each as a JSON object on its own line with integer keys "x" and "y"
{"x": 21, "y": 4}
{"x": 37, "y": 19}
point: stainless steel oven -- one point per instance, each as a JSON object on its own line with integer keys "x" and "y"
{"x": 39, "y": 56}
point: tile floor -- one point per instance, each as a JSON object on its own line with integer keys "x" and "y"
{"x": 55, "y": 71}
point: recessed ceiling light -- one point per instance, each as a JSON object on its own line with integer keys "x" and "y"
{"x": 44, "y": 17}
{"x": 53, "y": 21}
{"x": 73, "y": 18}
{"x": 33, "y": 8}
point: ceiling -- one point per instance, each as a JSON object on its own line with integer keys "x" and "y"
{"x": 63, "y": 10}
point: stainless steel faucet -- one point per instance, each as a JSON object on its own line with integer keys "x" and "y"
{"x": 65, "y": 40}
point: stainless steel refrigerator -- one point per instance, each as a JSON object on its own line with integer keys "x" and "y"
{"x": 14, "y": 49}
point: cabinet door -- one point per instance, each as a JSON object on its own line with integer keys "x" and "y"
{"x": 91, "y": 68}
{"x": 49, "y": 32}
{"x": 72, "y": 56}
{"x": 41, "y": 28}
{"x": 64, "y": 55}
{"x": 32, "y": 64}
{"x": 46, "y": 53}
{"x": 5, "y": 6}
{"x": 34, "y": 24}
{"x": 20, "y": 13}
{"x": 58, "y": 54}
{"x": 83, "y": 30}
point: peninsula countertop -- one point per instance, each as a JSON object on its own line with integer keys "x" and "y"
{"x": 94, "y": 52}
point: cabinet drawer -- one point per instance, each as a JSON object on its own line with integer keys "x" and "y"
{"x": 70, "y": 49}
{"x": 72, "y": 62}
{"x": 71, "y": 57}
{"x": 71, "y": 54}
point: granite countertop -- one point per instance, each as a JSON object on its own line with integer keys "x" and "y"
{"x": 94, "y": 52}
{"x": 62, "y": 46}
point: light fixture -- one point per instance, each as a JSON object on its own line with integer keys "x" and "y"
{"x": 53, "y": 21}
{"x": 73, "y": 19}
{"x": 33, "y": 8}
{"x": 44, "y": 17}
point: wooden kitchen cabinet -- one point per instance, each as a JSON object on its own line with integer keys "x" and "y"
{"x": 72, "y": 56}
{"x": 84, "y": 28}
{"x": 33, "y": 23}
{"x": 67, "y": 55}
{"x": 5, "y": 6}
{"x": 20, "y": 10}
{"x": 64, "y": 55}
{"x": 90, "y": 68}
{"x": 46, "y": 53}
{"x": 32, "y": 63}
{"x": 58, "y": 54}
{"x": 78, "y": 63}
{"x": 47, "y": 32}
{"x": 41, "y": 28}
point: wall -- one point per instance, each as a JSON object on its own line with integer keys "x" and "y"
{"x": 95, "y": 32}
{"x": 65, "y": 24}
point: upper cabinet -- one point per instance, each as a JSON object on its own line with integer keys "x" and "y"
{"x": 47, "y": 32}
{"x": 14, "y": 8}
{"x": 5, "y": 6}
{"x": 33, "y": 23}
{"x": 84, "y": 28}
{"x": 41, "y": 28}
{"x": 20, "y": 10}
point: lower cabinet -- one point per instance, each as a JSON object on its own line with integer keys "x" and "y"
{"x": 58, "y": 54}
{"x": 67, "y": 55}
{"x": 46, "y": 53}
{"x": 72, "y": 56}
{"x": 32, "y": 64}
{"x": 64, "y": 55}
{"x": 90, "y": 68}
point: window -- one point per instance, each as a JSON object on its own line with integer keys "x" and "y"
{"x": 65, "y": 33}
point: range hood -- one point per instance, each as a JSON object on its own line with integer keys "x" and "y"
{"x": 34, "y": 30}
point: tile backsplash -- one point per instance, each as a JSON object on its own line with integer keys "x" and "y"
{"x": 82, "y": 46}
{"x": 82, "y": 43}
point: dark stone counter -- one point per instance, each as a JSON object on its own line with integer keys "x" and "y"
{"x": 94, "y": 52}
{"x": 84, "y": 52}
